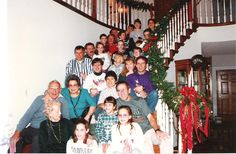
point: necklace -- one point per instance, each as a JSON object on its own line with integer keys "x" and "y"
{"x": 50, "y": 125}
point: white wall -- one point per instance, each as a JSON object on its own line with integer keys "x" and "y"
{"x": 193, "y": 45}
{"x": 41, "y": 37}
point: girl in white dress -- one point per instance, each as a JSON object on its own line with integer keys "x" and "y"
{"x": 127, "y": 136}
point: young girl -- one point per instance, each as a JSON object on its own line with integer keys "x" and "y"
{"x": 127, "y": 136}
{"x": 81, "y": 142}
{"x": 105, "y": 122}
{"x": 100, "y": 53}
{"x": 137, "y": 33}
{"x": 55, "y": 131}
{"x": 129, "y": 68}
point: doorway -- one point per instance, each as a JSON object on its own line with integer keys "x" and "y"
{"x": 226, "y": 94}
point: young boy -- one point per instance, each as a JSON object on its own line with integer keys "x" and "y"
{"x": 105, "y": 121}
{"x": 117, "y": 65}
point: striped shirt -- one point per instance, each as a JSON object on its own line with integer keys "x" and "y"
{"x": 76, "y": 67}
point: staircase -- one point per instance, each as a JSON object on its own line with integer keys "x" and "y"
{"x": 182, "y": 23}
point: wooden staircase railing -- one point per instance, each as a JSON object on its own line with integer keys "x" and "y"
{"x": 109, "y": 13}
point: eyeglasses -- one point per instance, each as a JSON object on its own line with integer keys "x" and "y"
{"x": 73, "y": 85}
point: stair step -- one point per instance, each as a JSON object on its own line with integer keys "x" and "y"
{"x": 183, "y": 38}
{"x": 178, "y": 45}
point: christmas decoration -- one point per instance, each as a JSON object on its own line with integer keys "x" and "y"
{"x": 191, "y": 116}
{"x": 138, "y": 5}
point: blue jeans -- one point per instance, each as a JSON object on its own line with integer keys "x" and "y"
{"x": 151, "y": 99}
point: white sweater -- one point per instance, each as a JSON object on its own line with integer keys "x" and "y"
{"x": 80, "y": 148}
{"x": 94, "y": 81}
{"x": 134, "y": 137}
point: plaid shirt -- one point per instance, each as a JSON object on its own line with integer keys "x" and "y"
{"x": 103, "y": 127}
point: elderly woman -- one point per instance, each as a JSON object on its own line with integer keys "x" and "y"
{"x": 80, "y": 103}
{"x": 55, "y": 131}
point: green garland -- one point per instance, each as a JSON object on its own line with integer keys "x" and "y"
{"x": 137, "y": 5}
{"x": 169, "y": 95}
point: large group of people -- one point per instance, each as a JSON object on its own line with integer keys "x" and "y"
{"x": 108, "y": 81}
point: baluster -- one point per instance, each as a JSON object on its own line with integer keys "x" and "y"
{"x": 230, "y": 11}
{"x": 206, "y": 10}
{"x": 173, "y": 33}
{"x": 119, "y": 16}
{"x": 104, "y": 12}
{"x": 184, "y": 20}
{"x": 116, "y": 15}
{"x": 112, "y": 13}
{"x": 99, "y": 10}
{"x": 218, "y": 10}
{"x": 171, "y": 127}
{"x": 180, "y": 146}
{"x": 177, "y": 27}
{"x": 224, "y": 10}
{"x": 166, "y": 118}
{"x": 124, "y": 18}
{"x": 212, "y": 13}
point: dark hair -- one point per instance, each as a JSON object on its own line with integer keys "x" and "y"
{"x": 122, "y": 82}
{"x": 87, "y": 44}
{"x": 151, "y": 19}
{"x": 137, "y": 20}
{"x": 86, "y": 124}
{"x": 147, "y": 30}
{"x": 130, "y": 120}
{"x": 120, "y": 32}
{"x": 143, "y": 58}
{"x": 131, "y": 25}
{"x": 102, "y": 36}
{"x": 97, "y": 60}
{"x": 110, "y": 99}
{"x": 74, "y": 78}
{"x": 138, "y": 48}
{"x": 79, "y": 47}
{"x": 99, "y": 43}
{"x": 139, "y": 41}
{"x": 111, "y": 74}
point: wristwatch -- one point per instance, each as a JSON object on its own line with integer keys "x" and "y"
{"x": 158, "y": 129}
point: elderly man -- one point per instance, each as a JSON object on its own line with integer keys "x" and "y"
{"x": 79, "y": 66}
{"x": 34, "y": 116}
{"x": 142, "y": 115}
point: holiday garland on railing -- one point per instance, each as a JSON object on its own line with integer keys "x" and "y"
{"x": 137, "y": 5}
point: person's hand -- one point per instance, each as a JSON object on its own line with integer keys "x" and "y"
{"x": 93, "y": 92}
{"x": 162, "y": 135}
{"x": 13, "y": 140}
{"x": 138, "y": 88}
{"x": 104, "y": 148}
{"x": 82, "y": 75}
{"x": 127, "y": 147}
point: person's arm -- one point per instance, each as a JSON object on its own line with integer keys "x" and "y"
{"x": 69, "y": 68}
{"x": 64, "y": 108}
{"x": 156, "y": 127}
{"x": 91, "y": 103}
{"x": 13, "y": 140}
{"x": 69, "y": 146}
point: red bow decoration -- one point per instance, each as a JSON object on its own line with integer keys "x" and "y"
{"x": 189, "y": 117}
{"x": 150, "y": 43}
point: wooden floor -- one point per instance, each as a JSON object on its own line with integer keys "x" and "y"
{"x": 222, "y": 139}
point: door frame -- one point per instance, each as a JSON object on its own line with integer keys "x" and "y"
{"x": 213, "y": 84}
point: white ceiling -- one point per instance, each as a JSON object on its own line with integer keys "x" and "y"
{"x": 218, "y": 48}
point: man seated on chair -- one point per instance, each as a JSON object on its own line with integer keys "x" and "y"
{"x": 34, "y": 116}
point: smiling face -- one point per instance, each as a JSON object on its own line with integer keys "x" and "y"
{"x": 81, "y": 131}
{"x": 124, "y": 116}
{"x": 100, "y": 48}
{"x": 123, "y": 92}
{"x": 79, "y": 54}
{"x": 55, "y": 112}
{"x": 97, "y": 67}
{"x": 54, "y": 90}
{"x": 141, "y": 66}
{"x": 73, "y": 87}
{"x": 109, "y": 108}
{"x": 110, "y": 81}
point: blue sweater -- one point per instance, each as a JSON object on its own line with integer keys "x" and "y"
{"x": 35, "y": 115}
